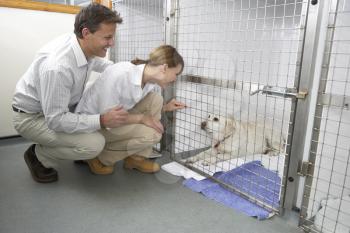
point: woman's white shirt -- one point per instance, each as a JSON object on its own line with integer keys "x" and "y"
{"x": 119, "y": 85}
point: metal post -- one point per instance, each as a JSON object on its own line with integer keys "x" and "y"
{"x": 301, "y": 109}
{"x": 168, "y": 118}
{"x": 316, "y": 124}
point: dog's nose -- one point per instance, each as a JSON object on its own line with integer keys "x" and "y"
{"x": 203, "y": 125}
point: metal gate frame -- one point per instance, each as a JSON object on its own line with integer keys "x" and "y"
{"x": 167, "y": 145}
{"x": 309, "y": 167}
{"x": 300, "y": 107}
{"x": 304, "y": 109}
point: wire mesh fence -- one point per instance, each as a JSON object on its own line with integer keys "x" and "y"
{"x": 235, "y": 51}
{"x": 142, "y": 28}
{"x": 242, "y": 63}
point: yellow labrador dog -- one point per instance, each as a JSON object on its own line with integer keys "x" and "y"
{"x": 233, "y": 139}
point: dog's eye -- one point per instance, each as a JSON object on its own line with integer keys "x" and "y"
{"x": 216, "y": 119}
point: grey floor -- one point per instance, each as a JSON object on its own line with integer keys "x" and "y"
{"x": 126, "y": 202}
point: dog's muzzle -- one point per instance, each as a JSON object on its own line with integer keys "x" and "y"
{"x": 203, "y": 125}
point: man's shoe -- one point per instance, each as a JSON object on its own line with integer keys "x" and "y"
{"x": 140, "y": 163}
{"x": 39, "y": 173}
{"x": 98, "y": 168}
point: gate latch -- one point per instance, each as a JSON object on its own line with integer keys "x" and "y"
{"x": 304, "y": 168}
{"x": 281, "y": 91}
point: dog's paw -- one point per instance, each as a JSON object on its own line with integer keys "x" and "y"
{"x": 191, "y": 160}
{"x": 205, "y": 163}
{"x": 273, "y": 153}
{"x": 209, "y": 161}
{"x": 183, "y": 160}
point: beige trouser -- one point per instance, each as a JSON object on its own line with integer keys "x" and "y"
{"x": 120, "y": 142}
{"x": 53, "y": 145}
{"x": 133, "y": 139}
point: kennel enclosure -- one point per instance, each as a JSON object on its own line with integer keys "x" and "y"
{"x": 282, "y": 63}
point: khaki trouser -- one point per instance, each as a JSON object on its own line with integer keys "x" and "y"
{"x": 133, "y": 139}
{"x": 53, "y": 145}
{"x": 110, "y": 145}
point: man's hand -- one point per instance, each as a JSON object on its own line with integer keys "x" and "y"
{"x": 173, "y": 105}
{"x": 113, "y": 118}
{"x": 153, "y": 123}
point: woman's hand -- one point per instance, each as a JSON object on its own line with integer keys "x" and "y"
{"x": 153, "y": 123}
{"x": 173, "y": 105}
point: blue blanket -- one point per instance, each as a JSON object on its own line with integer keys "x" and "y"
{"x": 251, "y": 178}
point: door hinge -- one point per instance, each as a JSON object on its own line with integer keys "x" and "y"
{"x": 304, "y": 168}
{"x": 281, "y": 91}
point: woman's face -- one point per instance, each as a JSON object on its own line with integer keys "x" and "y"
{"x": 170, "y": 75}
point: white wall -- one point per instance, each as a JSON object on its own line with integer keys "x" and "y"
{"x": 141, "y": 31}
{"x": 23, "y": 32}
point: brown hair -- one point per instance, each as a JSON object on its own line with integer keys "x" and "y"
{"x": 92, "y": 16}
{"x": 164, "y": 54}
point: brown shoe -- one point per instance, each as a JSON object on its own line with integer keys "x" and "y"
{"x": 39, "y": 173}
{"x": 98, "y": 168}
{"x": 140, "y": 163}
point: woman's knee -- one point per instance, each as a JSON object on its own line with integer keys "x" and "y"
{"x": 151, "y": 136}
{"x": 156, "y": 103}
{"x": 156, "y": 99}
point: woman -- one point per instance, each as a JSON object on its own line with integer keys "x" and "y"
{"x": 134, "y": 87}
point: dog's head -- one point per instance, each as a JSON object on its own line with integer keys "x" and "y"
{"x": 218, "y": 125}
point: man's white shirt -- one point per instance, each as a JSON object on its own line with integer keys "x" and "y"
{"x": 54, "y": 83}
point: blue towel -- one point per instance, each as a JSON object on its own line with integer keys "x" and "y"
{"x": 251, "y": 178}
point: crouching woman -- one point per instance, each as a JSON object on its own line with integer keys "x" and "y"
{"x": 133, "y": 87}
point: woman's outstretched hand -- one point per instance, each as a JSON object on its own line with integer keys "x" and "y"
{"x": 173, "y": 105}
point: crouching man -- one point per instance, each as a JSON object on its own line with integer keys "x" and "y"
{"x": 46, "y": 95}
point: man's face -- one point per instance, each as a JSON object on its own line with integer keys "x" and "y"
{"x": 99, "y": 41}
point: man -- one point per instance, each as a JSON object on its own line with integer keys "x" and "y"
{"x": 46, "y": 96}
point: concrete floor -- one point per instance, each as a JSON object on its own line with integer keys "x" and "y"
{"x": 126, "y": 202}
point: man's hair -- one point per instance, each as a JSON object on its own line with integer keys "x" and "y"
{"x": 92, "y": 16}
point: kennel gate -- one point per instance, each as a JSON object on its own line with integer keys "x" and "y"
{"x": 243, "y": 59}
